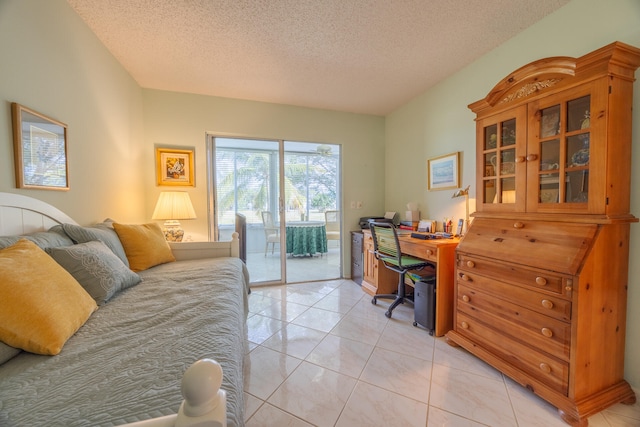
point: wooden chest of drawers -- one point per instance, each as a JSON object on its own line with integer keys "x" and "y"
{"x": 559, "y": 330}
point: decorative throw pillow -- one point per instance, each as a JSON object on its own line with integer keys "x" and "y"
{"x": 41, "y": 304}
{"x": 103, "y": 232}
{"x": 100, "y": 272}
{"x": 144, "y": 245}
{"x": 44, "y": 239}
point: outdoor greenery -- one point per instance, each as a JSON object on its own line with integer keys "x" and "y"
{"x": 247, "y": 183}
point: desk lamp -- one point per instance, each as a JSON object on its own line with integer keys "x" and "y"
{"x": 464, "y": 192}
{"x": 173, "y": 206}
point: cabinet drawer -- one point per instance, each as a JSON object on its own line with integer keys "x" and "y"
{"x": 507, "y": 272}
{"x": 420, "y": 250}
{"x": 542, "y": 332}
{"x": 548, "y": 305}
{"x": 544, "y": 368}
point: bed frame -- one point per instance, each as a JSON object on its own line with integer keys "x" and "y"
{"x": 204, "y": 403}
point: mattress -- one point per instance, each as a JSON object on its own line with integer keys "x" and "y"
{"x": 126, "y": 363}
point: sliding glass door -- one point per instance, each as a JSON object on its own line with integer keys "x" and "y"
{"x": 288, "y": 195}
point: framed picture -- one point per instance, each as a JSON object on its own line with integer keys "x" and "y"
{"x": 444, "y": 172}
{"x": 174, "y": 166}
{"x": 39, "y": 149}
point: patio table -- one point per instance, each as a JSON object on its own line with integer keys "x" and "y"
{"x": 306, "y": 237}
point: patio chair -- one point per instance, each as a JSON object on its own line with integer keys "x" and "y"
{"x": 271, "y": 232}
{"x": 332, "y": 224}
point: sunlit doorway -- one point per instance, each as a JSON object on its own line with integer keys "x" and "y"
{"x": 289, "y": 239}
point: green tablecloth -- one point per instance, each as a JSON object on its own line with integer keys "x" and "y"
{"x": 306, "y": 238}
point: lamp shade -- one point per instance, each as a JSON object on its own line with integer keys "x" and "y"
{"x": 174, "y": 205}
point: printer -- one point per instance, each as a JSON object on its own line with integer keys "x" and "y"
{"x": 390, "y": 217}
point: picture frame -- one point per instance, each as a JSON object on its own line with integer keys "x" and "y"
{"x": 175, "y": 166}
{"x": 443, "y": 172}
{"x": 39, "y": 150}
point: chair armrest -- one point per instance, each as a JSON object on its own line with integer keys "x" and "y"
{"x": 198, "y": 250}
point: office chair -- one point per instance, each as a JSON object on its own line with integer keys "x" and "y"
{"x": 386, "y": 248}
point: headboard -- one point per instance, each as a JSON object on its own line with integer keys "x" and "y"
{"x": 22, "y": 214}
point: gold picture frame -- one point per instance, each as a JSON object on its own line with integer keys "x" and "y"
{"x": 443, "y": 172}
{"x": 39, "y": 150}
{"x": 175, "y": 166}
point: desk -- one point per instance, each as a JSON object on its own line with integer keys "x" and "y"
{"x": 442, "y": 252}
{"x": 306, "y": 237}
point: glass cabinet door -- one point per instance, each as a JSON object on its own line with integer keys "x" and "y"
{"x": 501, "y": 142}
{"x": 561, "y": 177}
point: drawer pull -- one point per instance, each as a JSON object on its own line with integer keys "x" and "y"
{"x": 519, "y": 225}
{"x": 541, "y": 281}
{"x": 466, "y": 298}
{"x": 545, "y": 368}
{"x": 547, "y": 304}
{"x": 471, "y": 264}
{"x": 464, "y": 325}
{"x": 429, "y": 252}
{"x": 547, "y": 332}
{"x": 465, "y": 278}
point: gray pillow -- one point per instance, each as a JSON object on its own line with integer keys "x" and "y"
{"x": 96, "y": 268}
{"x": 44, "y": 239}
{"x": 7, "y": 352}
{"x": 103, "y": 232}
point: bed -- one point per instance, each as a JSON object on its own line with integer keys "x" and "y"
{"x": 125, "y": 364}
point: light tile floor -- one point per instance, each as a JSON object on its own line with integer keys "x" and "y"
{"x": 322, "y": 355}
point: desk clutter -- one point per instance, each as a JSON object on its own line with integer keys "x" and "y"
{"x": 429, "y": 236}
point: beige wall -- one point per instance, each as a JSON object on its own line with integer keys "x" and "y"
{"x": 439, "y": 122}
{"x": 51, "y": 63}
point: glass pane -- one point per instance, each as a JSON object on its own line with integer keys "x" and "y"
{"x": 508, "y": 190}
{"x": 490, "y": 164}
{"x": 577, "y": 151}
{"x": 578, "y": 186}
{"x": 507, "y": 162}
{"x": 246, "y": 179}
{"x": 509, "y": 132}
{"x": 578, "y": 114}
{"x": 549, "y": 188}
{"x": 550, "y": 155}
{"x": 490, "y": 191}
{"x": 550, "y": 121}
{"x": 490, "y": 137}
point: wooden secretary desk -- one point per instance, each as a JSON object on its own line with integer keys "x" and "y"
{"x": 541, "y": 275}
{"x": 380, "y": 280}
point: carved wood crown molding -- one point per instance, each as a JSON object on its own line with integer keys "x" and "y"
{"x": 530, "y": 88}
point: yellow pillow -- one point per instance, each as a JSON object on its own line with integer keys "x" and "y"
{"x": 41, "y": 305}
{"x": 144, "y": 245}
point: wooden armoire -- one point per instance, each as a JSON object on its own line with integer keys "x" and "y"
{"x": 541, "y": 275}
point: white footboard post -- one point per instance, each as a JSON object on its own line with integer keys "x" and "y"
{"x": 204, "y": 402}
{"x": 235, "y": 245}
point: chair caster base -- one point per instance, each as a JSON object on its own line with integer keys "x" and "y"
{"x": 388, "y": 314}
{"x": 374, "y": 301}
{"x": 415, "y": 323}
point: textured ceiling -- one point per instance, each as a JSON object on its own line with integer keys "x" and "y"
{"x": 361, "y": 56}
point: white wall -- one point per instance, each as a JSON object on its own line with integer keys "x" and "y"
{"x": 180, "y": 119}
{"x": 53, "y": 64}
{"x": 439, "y": 122}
